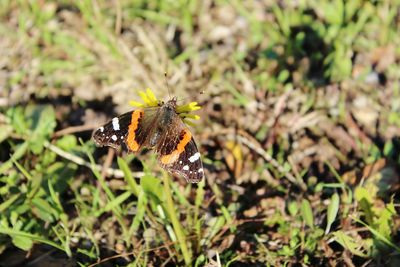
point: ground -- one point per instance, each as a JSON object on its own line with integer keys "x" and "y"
{"x": 299, "y": 133}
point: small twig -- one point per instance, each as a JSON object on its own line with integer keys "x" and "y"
{"x": 107, "y": 163}
{"x": 253, "y": 144}
{"x": 4, "y": 102}
{"x": 3, "y": 118}
{"x": 74, "y": 129}
{"x": 166, "y": 245}
{"x": 167, "y": 261}
{"x": 41, "y": 257}
{"x": 118, "y": 19}
{"x": 347, "y": 258}
{"x": 79, "y": 161}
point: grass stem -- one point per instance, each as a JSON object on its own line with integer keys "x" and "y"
{"x": 170, "y": 208}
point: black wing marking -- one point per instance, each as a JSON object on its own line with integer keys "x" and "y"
{"x": 114, "y": 132}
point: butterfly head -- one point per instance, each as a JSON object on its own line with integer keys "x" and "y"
{"x": 170, "y": 105}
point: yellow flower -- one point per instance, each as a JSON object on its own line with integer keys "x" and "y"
{"x": 150, "y": 100}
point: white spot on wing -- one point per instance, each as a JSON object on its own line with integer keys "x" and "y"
{"x": 185, "y": 168}
{"x": 114, "y": 137}
{"x": 101, "y": 129}
{"x": 115, "y": 123}
{"x": 200, "y": 170}
{"x": 180, "y": 162}
{"x": 195, "y": 157}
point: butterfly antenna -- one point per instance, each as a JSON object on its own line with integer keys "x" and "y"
{"x": 189, "y": 97}
{"x": 166, "y": 84}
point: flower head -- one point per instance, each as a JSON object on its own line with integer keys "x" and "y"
{"x": 184, "y": 111}
{"x": 148, "y": 97}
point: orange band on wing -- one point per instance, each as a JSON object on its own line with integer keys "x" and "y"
{"x": 131, "y": 140}
{"x": 171, "y": 158}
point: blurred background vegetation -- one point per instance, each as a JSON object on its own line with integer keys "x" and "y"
{"x": 299, "y": 133}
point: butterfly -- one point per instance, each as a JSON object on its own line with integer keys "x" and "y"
{"x": 159, "y": 128}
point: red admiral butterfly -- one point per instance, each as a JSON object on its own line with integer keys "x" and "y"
{"x": 160, "y": 128}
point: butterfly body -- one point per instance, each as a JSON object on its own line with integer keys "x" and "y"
{"x": 159, "y": 128}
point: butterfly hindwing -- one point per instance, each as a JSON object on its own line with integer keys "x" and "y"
{"x": 181, "y": 156}
{"x": 189, "y": 164}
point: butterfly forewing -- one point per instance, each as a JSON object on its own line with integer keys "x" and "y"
{"x": 113, "y": 133}
{"x": 131, "y": 129}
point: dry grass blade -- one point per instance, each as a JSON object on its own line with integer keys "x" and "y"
{"x": 80, "y": 161}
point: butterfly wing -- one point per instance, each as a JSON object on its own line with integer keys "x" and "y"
{"x": 131, "y": 129}
{"x": 114, "y": 132}
{"x": 178, "y": 153}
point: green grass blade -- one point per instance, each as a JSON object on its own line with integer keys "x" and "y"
{"x": 333, "y": 209}
{"x": 13, "y": 233}
{"x": 134, "y": 187}
{"x": 306, "y": 212}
